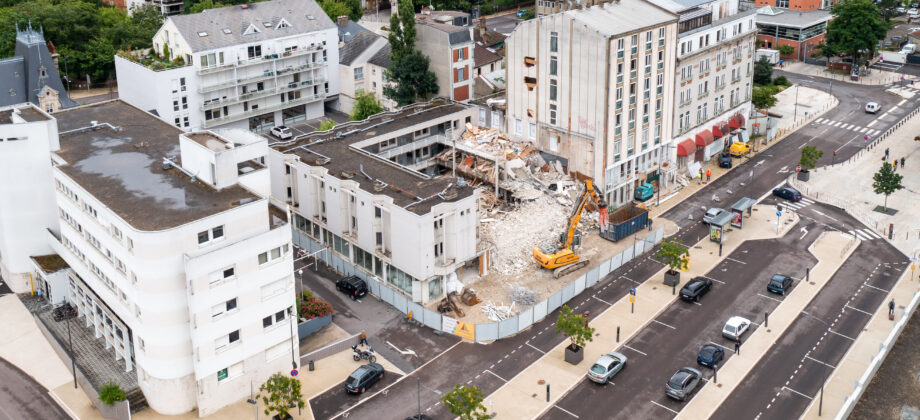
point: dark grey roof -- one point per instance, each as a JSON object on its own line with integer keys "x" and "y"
{"x": 794, "y": 18}
{"x": 350, "y": 30}
{"x": 382, "y": 58}
{"x": 21, "y": 77}
{"x": 455, "y": 38}
{"x": 353, "y": 49}
{"x": 455, "y": 34}
{"x": 304, "y": 16}
{"x": 483, "y": 56}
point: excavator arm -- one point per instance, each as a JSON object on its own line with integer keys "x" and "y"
{"x": 588, "y": 194}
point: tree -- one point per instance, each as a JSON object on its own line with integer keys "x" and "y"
{"x": 762, "y": 97}
{"x": 355, "y": 10}
{"x": 366, "y": 104}
{"x": 574, "y": 328}
{"x": 326, "y": 125}
{"x": 205, "y": 5}
{"x": 465, "y": 402}
{"x": 824, "y": 50}
{"x": 856, "y": 28}
{"x": 110, "y": 393}
{"x": 810, "y": 157}
{"x": 402, "y": 31}
{"x": 886, "y": 182}
{"x": 334, "y": 9}
{"x": 672, "y": 253}
{"x": 889, "y": 8}
{"x": 785, "y": 49}
{"x": 279, "y": 394}
{"x": 763, "y": 71}
{"x": 410, "y": 79}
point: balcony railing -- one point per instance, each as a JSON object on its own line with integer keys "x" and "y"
{"x": 292, "y": 86}
{"x": 268, "y": 74}
{"x": 263, "y": 59}
{"x": 271, "y": 108}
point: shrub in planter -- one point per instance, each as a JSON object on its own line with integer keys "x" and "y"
{"x": 111, "y": 393}
{"x": 312, "y": 307}
{"x": 672, "y": 253}
{"x": 576, "y": 329}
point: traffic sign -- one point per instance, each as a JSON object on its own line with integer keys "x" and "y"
{"x": 778, "y": 214}
{"x": 632, "y": 291}
{"x": 294, "y": 372}
{"x": 798, "y": 169}
{"x": 632, "y": 298}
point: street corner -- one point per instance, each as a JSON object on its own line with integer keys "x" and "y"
{"x": 833, "y": 245}
{"x": 413, "y": 343}
{"x": 326, "y": 400}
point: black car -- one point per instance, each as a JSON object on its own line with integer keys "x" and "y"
{"x": 710, "y": 354}
{"x": 725, "y": 160}
{"x": 695, "y": 288}
{"x": 788, "y": 193}
{"x": 779, "y": 284}
{"x": 363, "y": 377}
{"x": 352, "y": 286}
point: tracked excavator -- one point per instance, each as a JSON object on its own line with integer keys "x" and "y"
{"x": 560, "y": 257}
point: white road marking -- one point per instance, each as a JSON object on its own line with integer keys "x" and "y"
{"x": 838, "y": 124}
{"x": 877, "y": 288}
{"x": 662, "y": 323}
{"x": 769, "y": 297}
{"x": 531, "y": 346}
{"x": 797, "y": 392}
{"x": 566, "y": 411}
{"x": 844, "y": 336}
{"x": 493, "y": 374}
{"x": 818, "y": 361}
{"x": 845, "y": 144}
{"x": 859, "y": 235}
{"x": 602, "y": 300}
{"x": 666, "y": 408}
{"x": 873, "y": 233}
{"x": 737, "y": 261}
{"x": 858, "y": 310}
{"x": 637, "y": 351}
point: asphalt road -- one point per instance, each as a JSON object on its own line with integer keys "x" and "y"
{"x": 503, "y": 24}
{"x": 489, "y": 367}
{"x": 23, "y": 398}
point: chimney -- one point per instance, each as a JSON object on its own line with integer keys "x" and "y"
{"x": 342, "y": 20}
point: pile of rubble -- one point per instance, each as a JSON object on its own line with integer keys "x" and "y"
{"x": 515, "y": 233}
{"x": 524, "y": 296}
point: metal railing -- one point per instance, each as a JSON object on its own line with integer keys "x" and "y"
{"x": 262, "y": 59}
{"x": 271, "y": 108}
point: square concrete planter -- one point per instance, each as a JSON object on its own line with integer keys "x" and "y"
{"x": 574, "y": 356}
{"x": 671, "y": 278}
{"x": 803, "y": 176}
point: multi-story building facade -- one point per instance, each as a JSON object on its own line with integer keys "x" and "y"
{"x": 185, "y": 270}
{"x": 450, "y": 49}
{"x": 31, "y": 74}
{"x": 370, "y": 200}
{"x": 251, "y": 66}
{"x": 548, "y": 7}
{"x": 595, "y": 86}
{"x": 27, "y": 137}
{"x": 804, "y": 31}
{"x": 363, "y": 61}
{"x": 714, "y": 70}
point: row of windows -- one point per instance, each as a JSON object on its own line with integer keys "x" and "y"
{"x": 112, "y": 229}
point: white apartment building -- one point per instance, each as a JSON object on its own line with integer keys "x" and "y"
{"x": 363, "y": 61}
{"x": 184, "y": 268}
{"x": 27, "y": 137}
{"x": 252, "y": 66}
{"x": 372, "y": 197}
{"x": 450, "y": 49}
{"x": 594, "y": 86}
{"x": 714, "y": 72}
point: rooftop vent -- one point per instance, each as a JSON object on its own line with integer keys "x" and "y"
{"x": 310, "y": 17}
{"x": 227, "y": 31}
{"x": 379, "y": 186}
{"x": 347, "y": 174}
{"x": 267, "y": 24}
{"x": 450, "y": 194}
{"x": 202, "y": 34}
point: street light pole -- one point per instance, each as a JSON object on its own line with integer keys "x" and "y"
{"x": 293, "y": 316}
{"x": 73, "y": 362}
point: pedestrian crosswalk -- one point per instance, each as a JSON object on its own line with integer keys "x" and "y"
{"x": 871, "y": 132}
{"x": 865, "y": 234}
{"x": 790, "y": 206}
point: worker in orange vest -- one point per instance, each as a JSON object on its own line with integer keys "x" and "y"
{"x": 708, "y": 174}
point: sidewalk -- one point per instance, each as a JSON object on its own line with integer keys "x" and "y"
{"x": 651, "y": 298}
{"x": 831, "y": 249}
{"x": 875, "y": 77}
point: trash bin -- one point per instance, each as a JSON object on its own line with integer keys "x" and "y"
{"x": 311, "y": 365}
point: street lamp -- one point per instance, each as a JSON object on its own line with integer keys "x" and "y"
{"x": 821, "y": 399}
{"x": 293, "y": 316}
{"x": 252, "y": 400}
{"x": 73, "y": 361}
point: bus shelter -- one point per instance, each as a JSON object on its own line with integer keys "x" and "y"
{"x": 717, "y": 226}
{"x": 739, "y": 208}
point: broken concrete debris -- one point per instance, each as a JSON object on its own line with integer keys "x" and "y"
{"x": 524, "y": 296}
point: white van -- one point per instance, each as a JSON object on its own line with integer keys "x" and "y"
{"x": 908, "y": 49}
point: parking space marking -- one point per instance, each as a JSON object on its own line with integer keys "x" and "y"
{"x": 637, "y": 351}
{"x": 566, "y": 411}
{"x": 857, "y": 309}
{"x": 495, "y": 375}
{"x": 877, "y": 288}
{"x": 662, "y": 323}
{"x": 770, "y": 297}
{"x": 818, "y": 361}
{"x": 721, "y": 346}
{"x": 710, "y": 278}
{"x": 666, "y": 408}
{"x": 737, "y": 261}
{"x": 602, "y": 300}
{"x": 627, "y": 278}
{"x": 531, "y": 346}
{"x": 844, "y": 336}
{"x": 797, "y": 392}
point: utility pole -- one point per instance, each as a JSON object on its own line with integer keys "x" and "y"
{"x": 73, "y": 362}
{"x": 293, "y": 316}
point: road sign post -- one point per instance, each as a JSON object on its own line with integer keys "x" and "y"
{"x": 778, "y": 215}
{"x": 632, "y": 299}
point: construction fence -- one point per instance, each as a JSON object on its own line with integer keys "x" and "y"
{"x": 488, "y": 331}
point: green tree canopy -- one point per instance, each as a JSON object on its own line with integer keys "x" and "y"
{"x": 574, "y": 327}
{"x": 280, "y": 393}
{"x": 889, "y": 8}
{"x": 856, "y": 28}
{"x": 334, "y": 9}
{"x": 762, "y": 97}
{"x": 366, "y": 104}
{"x": 402, "y": 31}
{"x": 326, "y": 125}
{"x": 671, "y": 253}
{"x": 763, "y": 71}
{"x": 203, "y": 5}
{"x": 886, "y": 182}
{"x": 410, "y": 79}
{"x": 465, "y": 402}
{"x": 810, "y": 157}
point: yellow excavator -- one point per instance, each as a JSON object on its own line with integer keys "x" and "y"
{"x": 560, "y": 257}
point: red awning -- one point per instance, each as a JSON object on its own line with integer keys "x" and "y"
{"x": 716, "y": 132}
{"x": 733, "y": 122}
{"x": 686, "y": 148}
{"x": 740, "y": 118}
{"x": 704, "y": 138}
{"x": 724, "y": 128}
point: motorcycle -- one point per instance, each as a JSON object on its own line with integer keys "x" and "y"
{"x": 63, "y": 312}
{"x": 358, "y": 355}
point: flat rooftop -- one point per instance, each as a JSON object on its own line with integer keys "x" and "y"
{"x": 124, "y": 169}
{"x": 403, "y": 186}
{"x": 50, "y": 263}
{"x": 26, "y": 112}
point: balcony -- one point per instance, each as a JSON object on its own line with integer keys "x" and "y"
{"x": 217, "y": 103}
{"x": 263, "y": 59}
{"x": 271, "y": 108}
{"x": 703, "y": 95}
{"x": 268, "y": 74}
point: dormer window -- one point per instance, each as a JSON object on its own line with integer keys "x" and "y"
{"x": 251, "y": 30}
{"x": 227, "y": 31}
{"x": 42, "y": 73}
{"x": 202, "y": 34}
{"x": 283, "y": 24}
{"x": 267, "y": 24}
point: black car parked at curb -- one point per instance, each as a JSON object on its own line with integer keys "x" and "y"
{"x": 710, "y": 355}
{"x": 779, "y": 284}
{"x": 363, "y": 377}
{"x": 352, "y": 286}
{"x": 696, "y": 288}
{"x": 788, "y": 193}
{"x": 725, "y": 160}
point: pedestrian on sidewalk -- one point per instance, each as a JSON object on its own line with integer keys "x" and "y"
{"x": 891, "y": 308}
{"x": 708, "y": 174}
{"x": 738, "y": 345}
{"x": 886, "y": 153}
{"x": 896, "y": 165}
{"x": 587, "y": 314}
{"x": 363, "y": 338}
{"x": 700, "y": 179}
{"x": 902, "y": 162}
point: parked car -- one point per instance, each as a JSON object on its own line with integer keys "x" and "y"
{"x": 682, "y": 383}
{"x": 696, "y": 288}
{"x": 908, "y": 48}
{"x": 725, "y": 160}
{"x": 912, "y": 13}
{"x": 872, "y": 107}
{"x": 901, "y": 9}
{"x": 788, "y": 193}
{"x": 282, "y": 132}
{"x": 521, "y": 13}
{"x": 712, "y": 214}
{"x": 739, "y": 149}
{"x": 644, "y": 192}
{"x": 606, "y": 367}
{"x": 352, "y": 286}
{"x": 735, "y": 328}
{"x": 779, "y": 284}
{"x": 710, "y": 354}
{"x": 363, "y": 377}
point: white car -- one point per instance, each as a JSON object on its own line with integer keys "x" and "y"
{"x": 912, "y": 13}
{"x": 712, "y": 214}
{"x": 282, "y": 132}
{"x": 735, "y": 328}
{"x": 872, "y": 107}
{"x": 901, "y": 10}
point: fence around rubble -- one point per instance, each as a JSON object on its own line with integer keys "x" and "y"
{"x": 499, "y": 329}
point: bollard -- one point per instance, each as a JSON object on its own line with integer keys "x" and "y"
{"x": 311, "y": 365}
{"x": 766, "y": 319}
{"x": 673, "y": 288}
{"x": 618, "y": 334}
{"x": 715, "y": 373}
{"x": 890, "y": 230}
{"x": 547, "y": 392}
{"x": 807, "y": 271}
{"x": 720, "y": 249}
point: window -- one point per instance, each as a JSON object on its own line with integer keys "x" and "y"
{"x": 620, "y": 45}
{"x": 276, "y": 318}
{"x": 230, "y": 372}
{"x": 554, "y": 42}
{"x": 273, "y": 254}
{"x": 399, "y": 279}
{"x": 227, "y": 340}
{"x": 175, "y": 105}
{"x": 552, "y": 114}
{"x": 254, "y": 51}
{"x": 648, "y": 40}
{"x": 359, "y": 73}
{"x": 212, "y": 60}
{"x": 517, "y": 126}
{"x": 275, "y": 287}
{"x": 533, "y": 131}
{"x": 460, "y": 75}
{"x": 552, "y": 89}
{"x": 553, "y": 64}
{"x": 210, "y": 235}
{"x": 460, "y": 54}
{"x": 221, "y": 308}
{"x": 553, "y": 143}
{"x": 184, "y": 102}
{"x": 657, "y": 133}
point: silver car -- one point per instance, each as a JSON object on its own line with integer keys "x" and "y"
{"x": 682, "y": 383}
{"x": 712, "y": 214}
{"x": 606, "y": 367}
